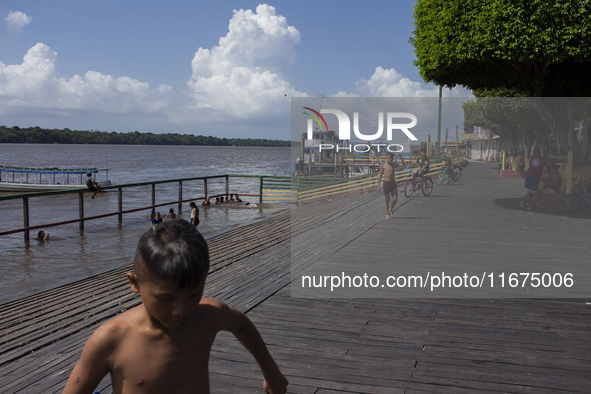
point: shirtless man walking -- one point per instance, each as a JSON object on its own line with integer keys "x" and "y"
{"x": 387, "y": 170}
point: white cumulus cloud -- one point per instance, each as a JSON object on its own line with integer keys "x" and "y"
{"x": 35, "y": 85}
{"x": 18, "y": 19}
{"x": 249, "y": 72}
{"x": 390, "y": 83}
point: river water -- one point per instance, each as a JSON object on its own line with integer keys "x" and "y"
{"x": 104, "y": 244}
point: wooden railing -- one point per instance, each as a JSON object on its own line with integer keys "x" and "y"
{"x": 26, "y": 197}
{"x": 272, "y": 189}
{"x": 309, "y": 189}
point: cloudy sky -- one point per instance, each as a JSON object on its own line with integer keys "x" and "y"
{"x": 227, "y": 68}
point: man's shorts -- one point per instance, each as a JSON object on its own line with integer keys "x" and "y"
{"x": 390, "y": 188}
{"x": 531, "y": 183}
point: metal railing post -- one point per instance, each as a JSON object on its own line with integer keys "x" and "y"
{"x": 227, "y": 186}
{"x": 120, "y": 203}
{"x": 153, "y": 198}
{"x": 261, "y": 190}
{"x": 205, "y": 187}
{"x": 26, "y": 218}
{"x": 180, "y": 207}
{"x": 81, "y": 209}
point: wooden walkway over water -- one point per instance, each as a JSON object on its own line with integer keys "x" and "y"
{"x": 339, "y": 345}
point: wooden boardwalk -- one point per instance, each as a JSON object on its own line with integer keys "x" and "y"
{"x": 341, "y": 345}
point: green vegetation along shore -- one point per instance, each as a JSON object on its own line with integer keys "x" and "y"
{"x": 37, "y": 135}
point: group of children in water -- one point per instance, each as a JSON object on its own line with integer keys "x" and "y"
{"x": 157, "y": 219}
{"x": 220, "y": 200}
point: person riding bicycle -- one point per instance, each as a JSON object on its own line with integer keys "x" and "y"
{"x": 423, "y": 161}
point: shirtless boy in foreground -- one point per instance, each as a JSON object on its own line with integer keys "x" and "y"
{"x": 163, "y": 345}
{"x": 387, "y": 169}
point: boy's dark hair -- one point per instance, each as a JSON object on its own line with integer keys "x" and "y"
{"x": 172, "y": 251}
{"x": 390, "y": 154}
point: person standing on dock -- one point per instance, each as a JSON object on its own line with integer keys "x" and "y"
{"x": 194, "y": 214}
{"x": 532, "y": 179}
{"x": 388, "y": 171}
{"x": 92, "y": 185}
{"x": 163, "y": 344}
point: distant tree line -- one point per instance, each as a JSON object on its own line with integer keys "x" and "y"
{"x": 37, "y": 135}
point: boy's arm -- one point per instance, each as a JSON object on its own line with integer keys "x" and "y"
{"x": 92, "y": 366}
{"x": 240, "y": 325}
{"x": 380, "y": 177}
{"x": 402, "y": 159}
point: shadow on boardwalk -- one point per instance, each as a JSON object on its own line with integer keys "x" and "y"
{"x": 353, "y": 345}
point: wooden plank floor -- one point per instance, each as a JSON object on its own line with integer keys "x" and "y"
{"x": 333, "y": 345}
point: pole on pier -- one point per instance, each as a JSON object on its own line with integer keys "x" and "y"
{"x": 26, "y": 218}
{"x": 302, "y": 153}
{"x": 120, "y": 203}
{"x": 261, "y": 190}
{"x": 438, "y": 149}
{"x": 180, "y": 208}
{"x": 153, "y": 198}
{"x": 81, "y": 209}
{"x": 227, "y": 186}
{"x": 335, "y": 163}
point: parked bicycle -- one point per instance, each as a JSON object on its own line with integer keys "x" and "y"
{"x": 416, "y": 183}
{"x": 447, "y": 173}
{"x": 579, "y": 200}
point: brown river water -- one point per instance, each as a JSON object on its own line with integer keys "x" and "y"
{"x": 70, "y": 254}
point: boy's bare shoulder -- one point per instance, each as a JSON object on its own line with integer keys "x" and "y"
{"x": 213, "y": 305}
{"x": 113, "y": 331}
{"x": 218, "y": 313}
{"x": 215, "y": 310}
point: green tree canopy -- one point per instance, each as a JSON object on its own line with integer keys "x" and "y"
{"x": 541, "y": 47}
{"x": 508, "y": 115}
{"x": 37, "y": 135}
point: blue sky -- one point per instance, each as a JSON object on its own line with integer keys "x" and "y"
{"x": 226, "y": 68}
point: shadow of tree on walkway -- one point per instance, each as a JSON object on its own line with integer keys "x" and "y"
{"x": 513, "y": 204}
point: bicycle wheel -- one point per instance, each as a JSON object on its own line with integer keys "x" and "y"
{"x": 428, "y": 186}
{"x": 586, "y": 203}
{"x": 409, "y": 188}
{"x": 439, "y": 178}
{"x": 447, "y": 178}
{"x": 576, "y": 203}
{"x": 457, "y": 174}
{"x": 565, "y": 203}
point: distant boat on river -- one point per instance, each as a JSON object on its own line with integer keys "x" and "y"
{"x": 20, "y": 179}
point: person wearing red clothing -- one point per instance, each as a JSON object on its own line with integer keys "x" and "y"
{"x": 552, "y": 183}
